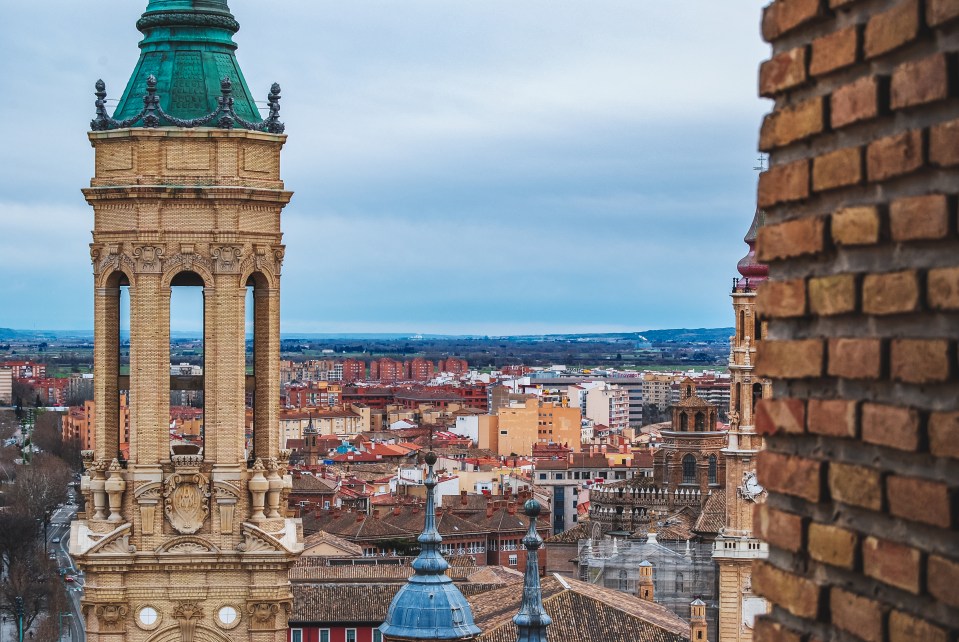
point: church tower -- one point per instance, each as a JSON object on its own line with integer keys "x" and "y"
{"x": 736, "y": 547}
{"x": 187, "y": 540}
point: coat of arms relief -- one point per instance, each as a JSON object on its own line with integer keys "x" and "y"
{"x": 186, "y": 495}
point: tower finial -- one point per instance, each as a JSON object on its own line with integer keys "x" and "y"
{"x": 532, "y": 620}
{"x": 429, "y": 606}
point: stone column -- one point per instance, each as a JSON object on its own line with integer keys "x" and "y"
{"x": 106, "y": 368}
{"x": 266, "y": 303}
{"x": 149, "y": 370}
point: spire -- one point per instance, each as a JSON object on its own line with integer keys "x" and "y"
{"x": 532, "y": 619}
{"x": 748, "y": 266}
{"x": 188, "y": 48}
{"x": 429, "y": 606}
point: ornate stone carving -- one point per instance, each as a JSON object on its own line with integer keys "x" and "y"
{"x": 148, "y": 258}
{"x": 186, "y": 495}
{"x": 187, "y": 614}
{"x": 227, "y": 495}
{"x": 275, "y": 488}
{"x": 750, "y": 488}
{"x": 97, "y": 485}
{"x": 114, "y": 487}
{"x": 111, "y": 616}
{"x": 263, "y": 615}
{"x": 147, "y": 498}
{"x": 258, "y": 486}
{"x": 227, "y": 258}
{"x": 256, "y": 541}
{"x": 279, "y": 253}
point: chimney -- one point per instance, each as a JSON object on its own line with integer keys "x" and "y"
{"x": 646, "y": 589}
{"x": 359, "y": 517}
{"x": 463, "y": 500}
{"x": 396, "y": 511}
{"x": 511, "y": 508}
{"x": 489, "y": 510}
{"x": 376, "y": 513}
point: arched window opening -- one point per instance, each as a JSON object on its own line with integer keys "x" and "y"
{"x": 680, "y": 584}
{"x": 759, "y": 330}
{"x": 739, "y": 397}
{"x": 260, "y": 308}
{"x": 742, "y": 325}
{"x": 700, "y": 422}
{"x": 757, "y": 395}
{"x": 712, "y": 469}
{"x": 689, "y": 469}
{"x": 683, "y": 422}
{"x": 623, "y": 581}
{"x": 119, "y": 392}
{"x": 187, "y": 351}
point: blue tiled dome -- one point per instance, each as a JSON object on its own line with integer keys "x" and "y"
{"x": 429, "y": 606}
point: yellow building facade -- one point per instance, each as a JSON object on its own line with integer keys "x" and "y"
{"x": 520, "y": 425}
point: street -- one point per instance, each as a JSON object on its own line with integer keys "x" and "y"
{"x": 60, "y": 530}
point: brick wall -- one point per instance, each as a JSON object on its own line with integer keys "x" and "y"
{"x": 863, "y": 311}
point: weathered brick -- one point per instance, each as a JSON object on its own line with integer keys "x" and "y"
{"x": 791, "y": 124}
{"x": 780, "y": 415}
{"x": 855, "y": 102}
{"x": 892, "y": 563}
{"x": 832, "y": 417}
{"x": 783, "y": 71}
{"x": 890, "y": 293}
{"x": 919, "y": 500}
{"x": 907, "y": 628}
{"x": 841, "y": 4}
{"x": 784, "y": 183}
{"x": 892, "y": 426}
{"x": 942, "y": 578}
{"x": 855, "y": 485}
{"x": 939, "y": 12}
{"x": 944, "y": 144}
{"x": 833, "y": 545}
{"x": 944, "y": 434}
{"x": 792, "y": 238}
{"x": 855, "y": 358}
{"x": 791, "y": 475}
{"x": 919, "y": 218}
{"x": 779, "y": 528}
{"x": 785, "y": 15}
{"x": 855, "y": 225}
{"x": 942, "y": 288}
{"x": 839, "y": 168}
{"x": 892, "y": 29}
{"x": 790, "y": 359}
{"x": 766, "y": 629}
{"x": 856, "y": 614}
{"x": 919, "y": 82}
{"x": 894, "y": 155}
{"x": 919, "y": 360}
{"x": 834, "y": 51}
{"x": 796, "y": 594}
{"x": 780, "y": 299}
{"x": 830, "y": 295}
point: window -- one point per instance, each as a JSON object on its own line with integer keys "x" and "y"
{"x": 680, "y": 585}
{"x": 377, "y": 635}
{"x": 623, "y": 581}
{"x": 559, "y": 475}
{"x": 324, "y": 635}
{"x": 542, "y": 475}
{"x": 683, "y": 422}
{"x": 351, "y": 635}
{"x": 700, "y": 422}
{"x": 296, "y": 635}
{"x": 512, "y": 560}
{"x": 712, "y": 469}
{"x": 689, "y": 469}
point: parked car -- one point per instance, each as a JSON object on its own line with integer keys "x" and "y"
{"x": 55, "y": 540}
{"x": 69, "y": 578}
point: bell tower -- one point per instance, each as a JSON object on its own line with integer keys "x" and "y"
{"x": 187, "y": 538}
{"x": 736, "y": 547}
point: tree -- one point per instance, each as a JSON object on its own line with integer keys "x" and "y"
{"x": 40, "y": 487}
{"x": 33, "y": 578}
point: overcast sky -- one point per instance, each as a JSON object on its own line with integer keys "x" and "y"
{"x": 459, "y": 166}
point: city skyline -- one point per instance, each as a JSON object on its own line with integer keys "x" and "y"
{"x": 519, "y": 173}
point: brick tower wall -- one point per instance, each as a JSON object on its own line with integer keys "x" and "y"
{"x": 863, "y": 311}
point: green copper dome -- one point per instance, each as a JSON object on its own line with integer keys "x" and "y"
{"x": 188, "y": 47}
